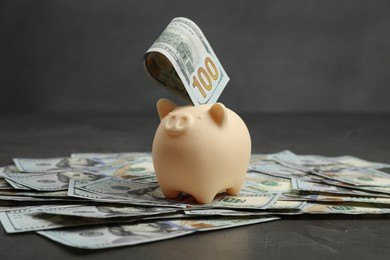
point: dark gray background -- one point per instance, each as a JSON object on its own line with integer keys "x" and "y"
{"x": 281, "y": 56}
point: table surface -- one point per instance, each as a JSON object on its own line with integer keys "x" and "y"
{"x": 294, "y": 237}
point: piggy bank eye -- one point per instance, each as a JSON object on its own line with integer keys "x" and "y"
{"x": 200, "y": 117}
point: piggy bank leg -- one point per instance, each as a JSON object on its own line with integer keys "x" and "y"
{"x": 169, "y": 193}
{"x": 204, "y": 198}
{"x": 234, "y": 190}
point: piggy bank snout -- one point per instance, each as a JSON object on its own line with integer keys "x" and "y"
{"x": 178, "y": 123}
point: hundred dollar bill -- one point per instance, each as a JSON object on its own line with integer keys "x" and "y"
{"x": 147, "y": 194}
{"x": 335, "y": 198}
{"x": 377, "y": 190}
{"x": 280, "y": 204}
{"x": 344, "y": 208}
{"x": 8, "y": 168}
{"x": 259, "y": 183}
{"x": 124, "y": 189}
{"x": 110, "y": 156}
{"x": 324, "y": 188}
{"x": 358, "y": 176}
{"x": 15, "y": 185}
{"x": 111, "y": 211}
{"x": 303, "y": 163}
{"x": 30, "y": 198}
{"x": 182, "y": 60}
{"x": 32, "y": 219}
{"x": 4, "y": 185}
{"x": 126, "y": 170}
{"x": 277, "y": 170}
{"x": 14, "y": 207}
{"x": 224, "y": 212}
{"x": 114, "y": 158}
{"x": 150, "y": 193}
{"x": 323, "y": 163}
{"x": 131, "y": 234}
{"x": 56, "y": 194}
{"x": 49, "y": 181}
{"x": 52, "y": 164}
{"x": 113, "y": 235}
{"x": 74, "y": 191}
{"x": 124, "y": 165}
{"x": 239, "y": 201}
{"x": 279, "y": 208}
{"x": 358, "y": 162}
{"x": 257, "y": 158}
{"x": 43, "y": 218}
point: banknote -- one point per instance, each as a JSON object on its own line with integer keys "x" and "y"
{"x": 358, "y": 176}
{"x": 150, "y": 194}
{"x": 257, "y": 158}
{"x": 259, "y": 183}
{"x": 124, "y": 189}
{"x": 344, "y": 208}
{"x": 43, "y": 194}
{"x": 224, "y": 212}
{"x": 141, "y": 198}
{"x": 52, "y": 164}
{"x": 8, "y": 168}
{"x": 7, "y": 203}
{"x": 49, "y": 181}
{"x": 324, "y": 188}
{"x": 282, "y": 183}
{"x": 275, "y": 169}
{"x": 208, "y": 224}
{"x": 12, "y": 207}
{"x": 289, "y": 208}
{"x": 16, "y": 185}
{"x": 34, "y": 199}
{"x": 140, "y": 168}
{"x": 182, "y": 60}
{"x": 43, "y": 218}
{"x": 239, "y": 201}
{"x": 374, "y": 190}
{"x": 131, "y": 234}
{"x": 110, "y": 157}
{"x": 113, "y": 235}
{"x": 32, "y": 219}
{"x": 303, "y": 163}
{"x": 358, "y": 162}
{"x": 95, "y": 197}
{"x": 335, "y": 198}
{"x": 290, "y": 205}
{"x": 4, "y": 185}
{"x": 111, "y": 211}
{"x": 324, "y": 163}
{"x": 115, "y": 159}
{"x": 76, "y": 192}
{"x": 28, "y": 205}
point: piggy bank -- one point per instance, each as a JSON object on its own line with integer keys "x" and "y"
{"x": 200, "y": 150}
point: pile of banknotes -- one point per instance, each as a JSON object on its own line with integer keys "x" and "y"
{"x": 98, "y": 200}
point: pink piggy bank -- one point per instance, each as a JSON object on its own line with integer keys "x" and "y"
{"x": 201, "y": 150}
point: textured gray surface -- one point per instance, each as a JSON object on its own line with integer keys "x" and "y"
{"x": 286, "y": 56}
{"x": 295, "y": 237}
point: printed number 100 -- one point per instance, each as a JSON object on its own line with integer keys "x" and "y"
{"x": 202, "y": 80}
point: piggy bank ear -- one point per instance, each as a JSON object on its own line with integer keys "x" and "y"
{"x": 219, "y": 113}
{"x": 164, "y": 106}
